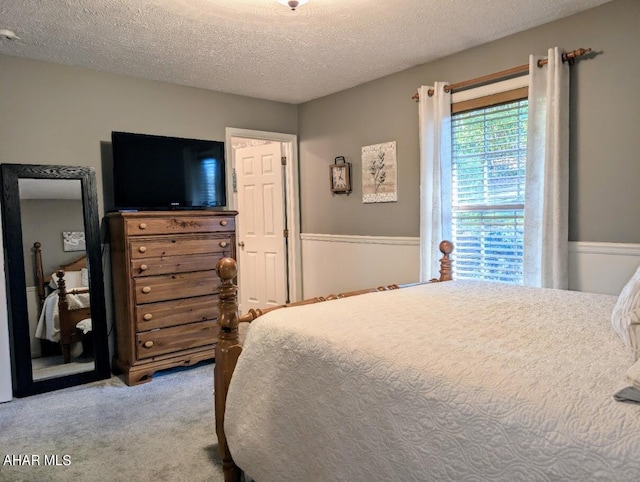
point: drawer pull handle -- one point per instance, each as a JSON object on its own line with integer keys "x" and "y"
{"x": 143, "y": 225}
{"x": 142, "y": 249}
{"x": 223, "y": 244}
{"x": 147, "y": 344}
{"x": 147, "y": 316}
{"x": 143, "y": 267}
{"x": 223, "y": 222}
{"x": 146, "y": 289}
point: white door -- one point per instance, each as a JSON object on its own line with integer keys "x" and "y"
{"x": 261, "y": 250}
{"x": 5, "y": 364}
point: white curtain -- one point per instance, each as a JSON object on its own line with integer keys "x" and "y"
{"x": 547, "y": 174}
{"x": 435, "y": 176}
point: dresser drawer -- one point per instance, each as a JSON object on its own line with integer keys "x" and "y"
{"x": 152, "y": 316}
{"x": 175, "y": 264}
{"x": 178, "y": 245}
{"x": 178, "y": 225}
{"x": 177, "y": 338}
{"x": 169, "y": 287}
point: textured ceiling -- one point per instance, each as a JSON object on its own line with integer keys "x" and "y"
{"x": 260, "y": 48}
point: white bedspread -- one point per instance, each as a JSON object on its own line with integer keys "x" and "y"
{"x": 48, "y": 327}
{"x": 514, "y": 384}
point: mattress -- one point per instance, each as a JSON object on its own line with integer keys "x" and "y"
{"x": 48, "y": 327}
{"x": 459, "y": 380}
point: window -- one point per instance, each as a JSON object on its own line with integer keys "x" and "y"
{"x": 489, "y": 144}
{"x": 209, "y": 179}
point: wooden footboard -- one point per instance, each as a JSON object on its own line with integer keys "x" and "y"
{"x": 68, "y": 318}
{"x": 229, "y": 348}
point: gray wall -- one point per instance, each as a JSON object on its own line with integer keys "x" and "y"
{"x": 44, "y": 220}
{"x": 604, "y": 139}
{"x": 55, "y": 114}
{"x": 58, "y": 114}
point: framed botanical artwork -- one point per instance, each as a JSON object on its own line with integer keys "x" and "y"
{"x": 340, "y": 176}
{"x": 73, "y": 241}
{"x": 379, "y": 173}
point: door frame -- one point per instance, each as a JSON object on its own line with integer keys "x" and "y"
{"x": 289, "y": 144}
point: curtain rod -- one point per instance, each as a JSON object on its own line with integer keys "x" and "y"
{"x": 521, "y": 69}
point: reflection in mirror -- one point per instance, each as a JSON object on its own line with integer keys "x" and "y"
{"x": 53, "y": 240}
{"x": 53, "y": 272}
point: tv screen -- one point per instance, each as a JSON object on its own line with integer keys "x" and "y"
{"x": 157, "y": 172}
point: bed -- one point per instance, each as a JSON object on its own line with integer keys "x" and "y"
{"x": 455, "y": 380}
{"x": 64, "y": 303}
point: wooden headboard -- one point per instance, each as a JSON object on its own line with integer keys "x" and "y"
{"x": 42, "y": 280}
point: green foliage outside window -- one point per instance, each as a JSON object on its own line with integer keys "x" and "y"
{"x": 488, "y": 184}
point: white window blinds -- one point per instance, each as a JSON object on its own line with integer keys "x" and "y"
{"x": 210, "y": 171}
{"x": 488, "y": 179}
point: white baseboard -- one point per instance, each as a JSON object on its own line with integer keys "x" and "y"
{"x": 341, "y": 238}
{"x": 337, "y": 263}
{"x": 602, "y": 267}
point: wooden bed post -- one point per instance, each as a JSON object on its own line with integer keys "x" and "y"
{"x": 227, "y": 352}
{"x": 39, "y": 272}
{"x": 65, "y": 342}
{"x": 446, "y": 248}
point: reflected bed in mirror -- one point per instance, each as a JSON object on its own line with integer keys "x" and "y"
{"x": 63, "y": 330}
{"x": 54, "y": 276}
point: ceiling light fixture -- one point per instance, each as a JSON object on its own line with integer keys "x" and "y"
{"x": 293, "y": 3}
{"x": 6, "y": 34}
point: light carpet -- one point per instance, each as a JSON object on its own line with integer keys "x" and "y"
{"x": 159, "y": 431}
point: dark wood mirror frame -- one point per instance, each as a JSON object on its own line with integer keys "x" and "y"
{"x": 21, "y": 366}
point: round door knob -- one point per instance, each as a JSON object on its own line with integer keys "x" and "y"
{"x": 147, "y": 344}
{"x": 143, "y": 267}
{"x": 223, "y": 222}
{"x": 146, "y": 289}
{"x": 142, "y": 249}
{"x": 143, "y": 225}
{"x": 241, "y": 244}
{"x": 223, "y": 244}
{"x": 147, "y": 316}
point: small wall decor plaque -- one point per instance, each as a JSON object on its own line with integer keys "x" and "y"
{"x": 379, "y": 173}
{"x": 73, "y": 241}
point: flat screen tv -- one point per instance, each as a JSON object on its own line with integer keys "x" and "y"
{"x": 163, "y": 173}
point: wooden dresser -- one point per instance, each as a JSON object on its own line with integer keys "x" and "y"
{"x": 165, "y": 287}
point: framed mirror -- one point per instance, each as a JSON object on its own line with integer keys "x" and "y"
{"x": 54, "y": 277}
